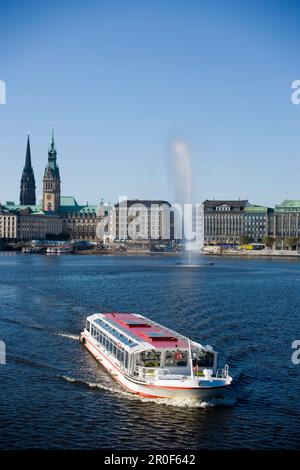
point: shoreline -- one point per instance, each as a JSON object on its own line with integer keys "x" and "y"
{"x": 162, "y": 254}
{"x": 256, "y": 255}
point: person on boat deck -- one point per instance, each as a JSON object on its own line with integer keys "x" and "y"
{"x": 196, "y": 363}
{"x": 178, "y": 356}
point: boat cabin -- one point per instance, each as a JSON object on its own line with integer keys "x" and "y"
{"x": 142, "y": 347}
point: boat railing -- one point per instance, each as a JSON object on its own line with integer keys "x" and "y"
{"x": 223, "y": 373}
{"x": 144, "y": 373}
{"x": 165, "y": 374}
{"x": 148, "y": 373}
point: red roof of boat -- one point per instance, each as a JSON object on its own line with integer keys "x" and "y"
{"x": 146, "y": 330}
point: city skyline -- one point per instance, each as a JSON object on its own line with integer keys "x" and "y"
{"x": 39, "y": 197}
{"x": 122, "y": 91}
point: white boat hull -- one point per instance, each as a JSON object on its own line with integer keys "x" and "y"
{"x": 187, "y": 388}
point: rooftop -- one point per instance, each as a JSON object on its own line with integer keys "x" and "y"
{"x": 288, "y": 205}
{"x": 255, "y": 208}
{"x": 67, "y": 204}
{"x": 143, "y": 330}
{"x": 236, "y": 204}
{"x": 144, "y": 202}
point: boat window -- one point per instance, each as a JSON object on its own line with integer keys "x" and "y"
{"x": 203, "y": 358}
{"x": 119, "y": 354}
{"x": 176, "y": 358}
{"x": 88, "y": 325}
{"x": 150, "y": 358}
{"x": 93, "y": 331}
{"x": 115, "y": 333}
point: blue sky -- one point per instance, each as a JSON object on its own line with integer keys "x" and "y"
{"x": 122, "y": 79}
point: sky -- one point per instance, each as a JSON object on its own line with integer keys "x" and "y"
{"x": 123, "y": 81}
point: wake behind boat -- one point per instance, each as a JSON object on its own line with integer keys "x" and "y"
{"x": 151, "y": 360}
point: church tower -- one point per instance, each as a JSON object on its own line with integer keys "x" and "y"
{"x": 27, "y": 192}
{"x": 51, "y": 182}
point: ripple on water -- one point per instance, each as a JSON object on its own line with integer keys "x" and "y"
{"x": 52, "y": 388}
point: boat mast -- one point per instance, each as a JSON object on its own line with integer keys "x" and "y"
{"x": 191, "y": 359}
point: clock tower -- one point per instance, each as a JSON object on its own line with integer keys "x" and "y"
{"x": 51, "y": 182}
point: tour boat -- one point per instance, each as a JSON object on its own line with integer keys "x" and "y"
{"x": 59, "y": 249}
{"x": 151, "y": 360}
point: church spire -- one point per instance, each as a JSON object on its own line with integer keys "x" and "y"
{"x": 27, "y": 192}
{"x": 28, "y": 154}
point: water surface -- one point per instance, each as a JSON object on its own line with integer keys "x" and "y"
{"x": 54, "y": 395}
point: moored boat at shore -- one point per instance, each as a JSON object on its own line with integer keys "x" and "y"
{"x": 59, "y": 249}
{"x": 32, "y": 249}
{"x": 151, "y": 360}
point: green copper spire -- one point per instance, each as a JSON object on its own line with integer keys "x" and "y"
{"x": 52, "y": 150}
{"x": 52, "y": 167}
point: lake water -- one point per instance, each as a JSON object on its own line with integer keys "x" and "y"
{"x": 53, "y": 394}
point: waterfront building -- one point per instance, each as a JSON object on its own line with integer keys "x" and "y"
{"x": 27, "y": 187}
{"x": 223, "y": 220}
{"x": 73, "y": 221}
{"x": 79, "y": 222}
{"x": 27, "y": 223}
{"x": 257, "y": 222}
{"x": 141, "y": 220}
{"x": 33, "y": 225}
{"x": 8, "y": 225}
{"x": 226, "y": 221}
{"x": 286, "y": 221}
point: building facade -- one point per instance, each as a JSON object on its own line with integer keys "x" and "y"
{"x": 8, "y": 225}
{"x": 141, "y": 220}
{"x": 258, "y": 222}
{"x": 223, "y": 220}
{"x": 27, "y": 224}
{"x": 286, "y": 222}
{"x": 80, "y": 222}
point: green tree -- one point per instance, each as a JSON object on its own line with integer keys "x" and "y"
{"x": 269, "y": 241}
{"x": 245, "y": 240}
{"x": 291, "y": 242}
{"x": 60, "y": 236}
